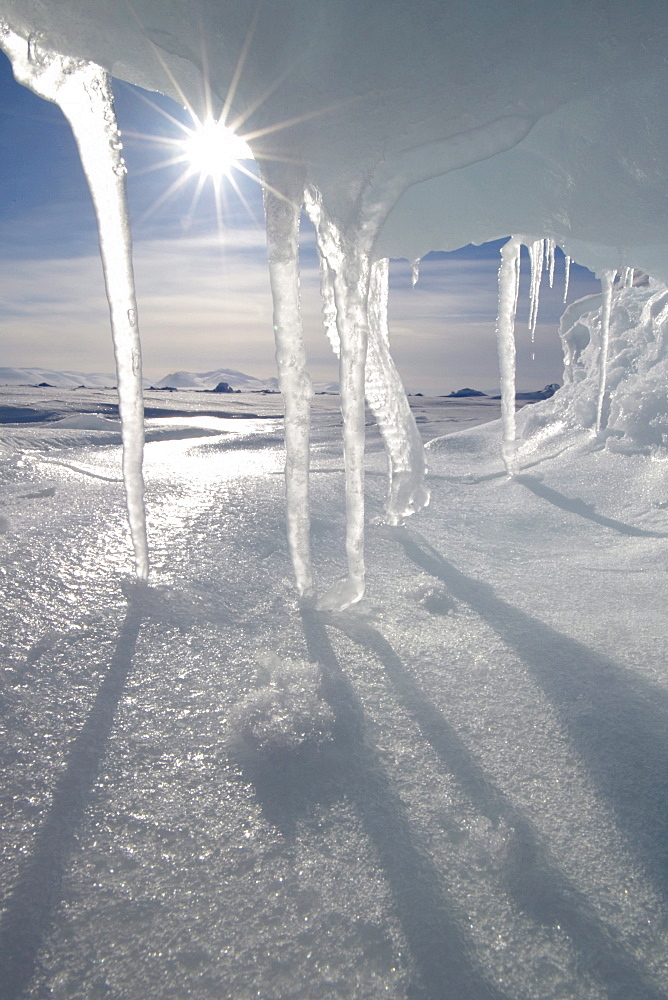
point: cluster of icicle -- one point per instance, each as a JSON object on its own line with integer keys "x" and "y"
{"x": 355, "y": 309}
{"x": 354, "y": 299}
{"x": 542, "y": 258}
{"x": 354, "y": 295}
{"x": 354, "y": 287}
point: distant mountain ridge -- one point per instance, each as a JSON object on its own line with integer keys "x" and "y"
{"x": 193, "y": 381}
{"x": 209, "y": 380}
{"x": 58, "y": 379}
{"x": 203, "y": 381}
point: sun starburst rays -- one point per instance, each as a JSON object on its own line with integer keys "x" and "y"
{"x": 210, "y": 149}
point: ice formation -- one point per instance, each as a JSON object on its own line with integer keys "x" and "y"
{"x": 82, "y": 91}
{"x": 607, "y": 282}
{"x": 509, "y": 282}
{"x": 550, "y": 247}
{"x": 537, "y": 256}
{"x": 634, "y": 415}
{"x": 567, "y": 276}
{"x": 433, "y": 133}
{"x": 355, "y": 294}
{"x": 541, "y": 251}
{"x": 282, "y": 216}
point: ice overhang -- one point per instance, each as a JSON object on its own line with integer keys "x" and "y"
{"x": 348, "y": 89}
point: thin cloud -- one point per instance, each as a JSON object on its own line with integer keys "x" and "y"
{"x": 205, "y": 302}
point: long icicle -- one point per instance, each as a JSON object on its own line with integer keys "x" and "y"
{"x": 550, "y": 247}
{"x": 83, "y": 92}
{"x": 509, "y": 278}
{"x": 350, "y": 285}
{"x": 384, "y": 389}
{"x": 567, "y": 275}
{"x": 388, "y": 402}
{"x": 328, "y": 304}
{"x": 345, "y": 279}
{"x": 607, "y": 282}
{"x": 282, "y": 214}
{"x": 536, "y": 254}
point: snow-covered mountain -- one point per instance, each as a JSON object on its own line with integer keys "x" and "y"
{"x": 197, "y": 381}
{"x": 209, "y": 380}
{"x": 61, "y": 380}
{"x": 106, "y": 380}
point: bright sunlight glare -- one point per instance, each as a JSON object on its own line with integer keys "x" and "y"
{"x": 212, "y": 149}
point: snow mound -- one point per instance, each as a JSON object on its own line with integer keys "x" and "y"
{"x": 89, "y": 422}
{"x": 635, "y": 402}
{"x": 287, "y": 711}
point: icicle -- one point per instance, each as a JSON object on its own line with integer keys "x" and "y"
{"x": 509, "y": 279}
{"x": 627, "y": 279}
{"x": 607, "y": 283}
{"x": 329, "y": 306}
{"x": 415, "y": 271}
{"x": 536, "y": 253}
{"x": 348, "y": 275}
{"x": 517, "y": 288}
{"x": 387, "y": 399}
{"x": 550, "y": 247}
{"x": 82, "y": 90}
{"x": 282, "y": 215}
{"x": 355, "y": 296}
{"x": 350, "y": 294}
{"x": 567, "y": 275}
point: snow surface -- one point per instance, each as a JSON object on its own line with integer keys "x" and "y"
{"x": 455, "y": 789}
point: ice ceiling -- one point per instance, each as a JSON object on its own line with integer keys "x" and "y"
{"x": 402, "y": 128}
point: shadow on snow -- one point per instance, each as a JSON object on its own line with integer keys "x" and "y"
{"x": 616, "y": 720}
{"x": 38, "y": 891}
{"x": 532, "y": 878}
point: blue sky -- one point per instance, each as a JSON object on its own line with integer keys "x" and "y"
{"x": 203, "y": 291}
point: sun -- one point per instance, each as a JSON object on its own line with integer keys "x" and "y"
{"x": 211, "y": 149}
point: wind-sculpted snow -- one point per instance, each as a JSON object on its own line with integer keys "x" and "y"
{"x": 286, "y": 713}
{"x": 624, "y": 402}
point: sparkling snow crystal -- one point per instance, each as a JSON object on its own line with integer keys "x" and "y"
{"x": 286, "y": 711}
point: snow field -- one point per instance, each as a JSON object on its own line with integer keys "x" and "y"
{"x": 485, "y": 819}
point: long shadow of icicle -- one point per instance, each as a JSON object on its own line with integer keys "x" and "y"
{"x": 440, "y": 945}
{"x": 617, "y": 721}
{"x": 533, "y": 879}
{"x": 576, "y": 506}
{"x": 38, "y": 890}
